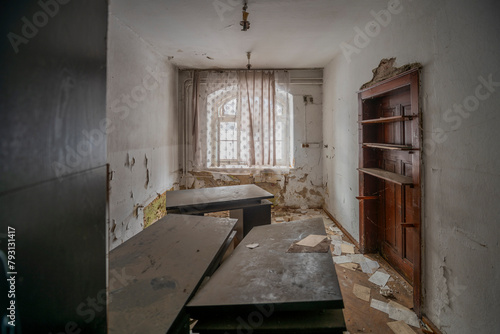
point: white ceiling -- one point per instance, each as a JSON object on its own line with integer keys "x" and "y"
{"x": 283, "y": 33}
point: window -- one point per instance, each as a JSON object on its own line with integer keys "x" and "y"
{"x": 243, "y": 121}
{"x": 231, "y": 142}
{"x": 228, "y": 137}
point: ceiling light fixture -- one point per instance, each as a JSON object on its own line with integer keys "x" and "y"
{"x": 245, "y": 24}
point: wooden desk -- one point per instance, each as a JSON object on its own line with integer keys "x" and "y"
{"x": 267, "y": 279}
{"x": 153, "y": 274}
{"x": 247, "y": 203}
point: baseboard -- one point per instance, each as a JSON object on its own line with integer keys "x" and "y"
{"x": 347, "y": 234}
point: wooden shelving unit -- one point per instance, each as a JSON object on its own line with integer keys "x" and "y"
{"x": 389, "y": 174}
{"x": 390, "y": 119}
{"x": 388, "y": 146}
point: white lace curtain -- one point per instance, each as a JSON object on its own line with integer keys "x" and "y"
{"x": 241, "y": 119}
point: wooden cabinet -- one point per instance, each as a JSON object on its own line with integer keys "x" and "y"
{"x": 389, "y": 173}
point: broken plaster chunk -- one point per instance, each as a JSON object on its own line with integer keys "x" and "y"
{"x": 280, "y": 219}
{"x": 379, "y": 278}
{"x": 335, "y": 229}
{"x": 311, "y": 240}
{"x": 386, "y": 291}
{"x": 379, "y": 305}
{"x": 362, "y": 292}
{"x": 400, "y": 327}
{"x": 252, "y": 246}
{"x": 399, "y": 312}
{"x": 336, "y": 238}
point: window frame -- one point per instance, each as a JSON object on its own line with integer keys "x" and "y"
{"x": 282, "y": 97}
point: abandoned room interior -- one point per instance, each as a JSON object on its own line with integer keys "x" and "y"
{"x": 231, "y": 166}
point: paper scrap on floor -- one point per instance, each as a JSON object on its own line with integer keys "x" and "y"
{"x": 252, "y": 246}
{"x": 379, "y": 278}
{"x": 311, "y": 240}
{"x": 347, "y": 249}
{"x": 400, "y": 327}
{"x": 379, "y": 305}
{"x": 341, "y": 259}
{"x": 369, "y": 266}
{"x": 362, "y": 292}
{"x": 350, "y": 266}
{"x": 399, "y": 312}
{"x": 337, "y": 250}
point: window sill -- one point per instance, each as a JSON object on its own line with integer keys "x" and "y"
{"x": 248, "y": 170}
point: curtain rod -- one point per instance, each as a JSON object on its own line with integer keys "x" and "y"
{"x": 252, "y": 69}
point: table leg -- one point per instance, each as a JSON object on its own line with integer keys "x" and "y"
{"x": 251, "y": 216}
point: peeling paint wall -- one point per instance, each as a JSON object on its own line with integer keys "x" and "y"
{"x": 302, "y": 186}
{"x": 457, "y": 44}
{"x": 142, "y": 142}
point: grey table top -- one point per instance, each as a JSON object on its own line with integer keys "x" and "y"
{"x": 153, "y": 274}
{"x": 218, "y": 195}
{"x": 269, "y": 275}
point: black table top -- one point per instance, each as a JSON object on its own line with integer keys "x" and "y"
{"x": 217, "y": 195}
{"x": 153, "y": 274}
{"x": 269, "y": 275}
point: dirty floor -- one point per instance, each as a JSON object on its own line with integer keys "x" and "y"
{"x": 358, "y": 292}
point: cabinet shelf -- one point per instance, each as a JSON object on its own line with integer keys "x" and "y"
{"x": 389, "y": 146}
{"x": 388, "y": 119}
{"x": 388, "y": 176}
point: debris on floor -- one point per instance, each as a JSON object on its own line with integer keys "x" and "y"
{"x": 396, "y": 312}
{"x": 386, "y": 292}
{"x": 347, "y": 249}
{"x": 311, "y": 240}
{"x": 252, "y": 246}
{"x": 379, "y": 278}
{"x": 350, "y": 266}
{"x": 362, "y": 292}
{"x": 337, "y": 250}
{"x": 321, "y": 247}
{"x": 379, "y": 305}
{"x": 399, "y": 312}
{"x": 400, "y": 327}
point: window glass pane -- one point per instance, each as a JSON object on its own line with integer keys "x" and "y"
{"x": 230, "y": 108}
{"x": 279, "y": 109}
{"x": 279, "y": 150}
{"x": 228, "y": 131}
{"x": 228, "y": 150}
{"x": 279, "y": 130}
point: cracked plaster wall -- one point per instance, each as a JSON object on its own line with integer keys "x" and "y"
{"x": 142, "y": 149}
{"x": 457, "y": 44}
{"x": 302, "y": 186}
